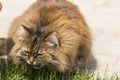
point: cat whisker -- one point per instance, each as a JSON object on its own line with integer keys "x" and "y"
{"x": 17, "y": 54}
{"x": 38, "y": 66}
{"x": 53, "y": 62}
{"x": 4, "y": 57}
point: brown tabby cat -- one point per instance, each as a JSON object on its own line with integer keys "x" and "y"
{"x": 5, "y": 47}
{"x": 51, "y": 33}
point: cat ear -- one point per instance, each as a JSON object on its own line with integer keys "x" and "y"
{"x": 23, "y": 31}
{"x": 52, "y": 39}
{"x": 25, "y": 28}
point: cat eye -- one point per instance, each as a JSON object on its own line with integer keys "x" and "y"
{"x": 26, "y": 52}
{"x": 40, "y": 52}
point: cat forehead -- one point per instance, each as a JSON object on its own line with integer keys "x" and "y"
{"x": 33, "y": 48}
{"x": 36, "y": 41}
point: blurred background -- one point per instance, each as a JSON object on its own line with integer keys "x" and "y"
{"x": 103, "y": 18}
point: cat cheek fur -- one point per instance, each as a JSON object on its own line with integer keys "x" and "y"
{"x": 16, "y": 56}
{"x": 56, "y": 65}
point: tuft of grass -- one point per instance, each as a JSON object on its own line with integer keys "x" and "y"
{"x": 15, "y": 72}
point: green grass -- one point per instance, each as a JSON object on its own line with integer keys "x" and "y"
{"x": 12, "y": 72}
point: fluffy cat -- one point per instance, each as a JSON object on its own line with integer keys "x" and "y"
{"x": 51, "y": 33}
{"x": 5, "y": 47}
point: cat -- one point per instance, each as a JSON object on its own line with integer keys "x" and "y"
{"x": 51, "y": 33}
{"x": 5, "y": 47}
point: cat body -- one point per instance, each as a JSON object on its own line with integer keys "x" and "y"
{"x": 51, "y": 33}
{"x": 5, "y": 47}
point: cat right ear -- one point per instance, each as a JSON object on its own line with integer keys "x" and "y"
{"x": 52, "y": 39}
{"x": 23, "y": 32}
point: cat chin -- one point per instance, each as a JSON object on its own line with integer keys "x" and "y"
{"x": 38, "y": 66}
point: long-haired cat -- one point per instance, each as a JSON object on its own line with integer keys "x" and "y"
{"x": 51, "y": 33}
{"x": 5, "y": 47}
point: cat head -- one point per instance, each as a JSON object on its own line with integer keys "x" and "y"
{"x": 35, "y": 47}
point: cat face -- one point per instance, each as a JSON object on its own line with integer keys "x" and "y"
{"x": 35, "y": 48}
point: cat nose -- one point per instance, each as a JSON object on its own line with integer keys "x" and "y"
{"x": 31, "y": 60}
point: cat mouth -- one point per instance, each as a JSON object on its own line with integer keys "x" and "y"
{"x": 38, "y": 66}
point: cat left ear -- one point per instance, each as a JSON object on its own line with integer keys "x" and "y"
{"x": 52, "y": 39}
{"x": 25, "y": 28}
{"x": 23, "y": 32}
